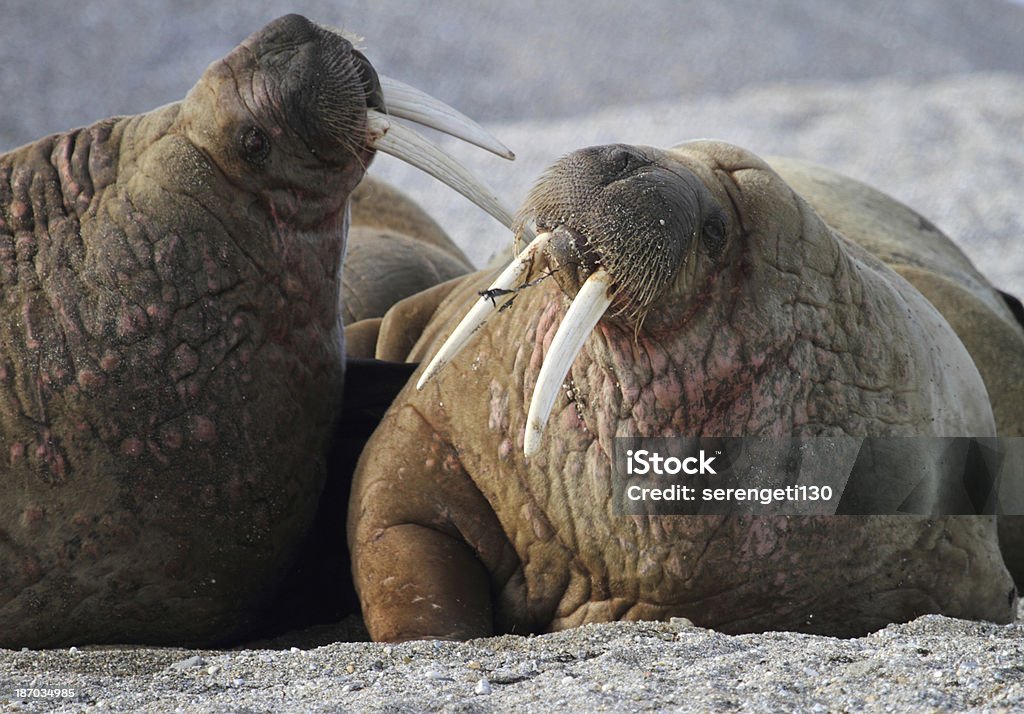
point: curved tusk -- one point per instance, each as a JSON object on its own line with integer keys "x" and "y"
{"x": 586, "y": 309}
{"x": 509, "y": 278}
{"x": 407, "y": 102}
{"x": 405, "y": 144}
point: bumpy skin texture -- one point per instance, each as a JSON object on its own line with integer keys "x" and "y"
{"x": 171, "y": 352}
{"x": 919, "y": 252}
{"x": 931, "y": 262}
{"x": 787, "y": 328}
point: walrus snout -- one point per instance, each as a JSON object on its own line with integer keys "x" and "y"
{"x": 629, "y": 209}
{"x": 314, "y": 81}
{"x": 296, "y": 113}
{"x": 621, "y": 227}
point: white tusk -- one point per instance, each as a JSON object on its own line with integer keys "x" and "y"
{"x": 405, "y": 144}
{"x": 407, "y": 102}
{"x": 586, "y": 309}
{"x": 509, "y": 278}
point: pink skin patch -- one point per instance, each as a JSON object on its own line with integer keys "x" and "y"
{"x": 110, "y": 361}
{"x": 673, "y": 383}
{"x": 133, "y": 447}
{"x": 203, "y": 429}
{"x": 90, "y": 379}
{"x": 33, "y": 514}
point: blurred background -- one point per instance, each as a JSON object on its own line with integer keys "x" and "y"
{"x": 922, "y": 98}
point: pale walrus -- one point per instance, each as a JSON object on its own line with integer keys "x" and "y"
{"x": 708, "y": 298}
{"x": 171, "y": 347}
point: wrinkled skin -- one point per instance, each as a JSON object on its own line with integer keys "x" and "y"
{"x": 990, "y": 324}
{"x": 171, "y": 346}
{"x": 780, "y": 326}
{"x": 394, "y": 250}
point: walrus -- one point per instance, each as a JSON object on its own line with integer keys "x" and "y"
{"x": 684, "y": 292}
{"x": 171, "y": 341}
{"x": 395, "y": 249}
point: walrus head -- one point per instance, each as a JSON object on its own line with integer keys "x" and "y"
{"x": 663, "y": 216}
{"x": 296, "y": 113}
{"x": 622, "y": 229}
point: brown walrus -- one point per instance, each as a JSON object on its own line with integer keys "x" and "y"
{"x": 709, "y": 298}
{"x": 171, "y": 343}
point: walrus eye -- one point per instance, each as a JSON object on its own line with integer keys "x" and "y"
{"x": 255, "y": 145}
{"x": 714, "y": 235}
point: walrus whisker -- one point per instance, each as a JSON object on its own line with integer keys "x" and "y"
{"x": 482, "y": 308}
{"x": 407, "y": 102}
{"x": 589, "y": 305}
{"x": 405, "y": 144}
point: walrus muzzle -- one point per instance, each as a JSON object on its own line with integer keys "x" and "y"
{"x": 336, "y": 112}
{"x": 616, "y": 224}
{"x": 301, "y": 80}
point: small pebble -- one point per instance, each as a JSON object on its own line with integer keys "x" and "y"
{"x": 473, "y": 664}
{"x": 190, "y": 663}
{"x": 294, "y": 649}
{"x": 504, "y": 675}
{"x": 482, "y": 687}
{"x": 73, "y": 650}
{"x": 213, "y": 669}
